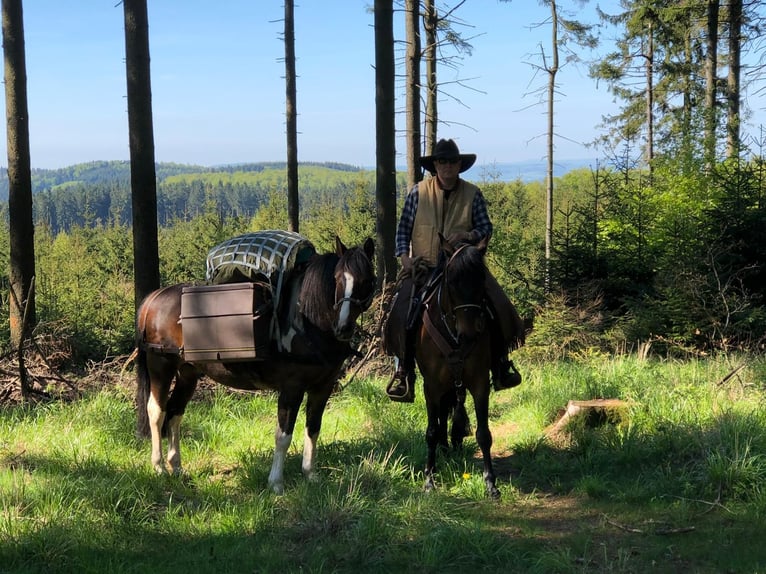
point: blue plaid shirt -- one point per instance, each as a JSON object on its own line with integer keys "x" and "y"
{"x": 479, "y": 215}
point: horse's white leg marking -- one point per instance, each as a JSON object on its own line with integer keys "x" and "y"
{"x": 156, "y": 418}
{"x": 282, "y": 442}
{"x": 345, "y": 309}
{"x": 287, "y": 339}
{"x": 309, "y": 453}
{"x": 174, "y": 443}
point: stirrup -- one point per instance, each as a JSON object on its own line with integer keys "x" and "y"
{"x": 506, "y": 376}
{"x": 401, "y": 387}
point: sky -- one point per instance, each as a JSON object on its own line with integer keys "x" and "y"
{"x": 218, "y": 92}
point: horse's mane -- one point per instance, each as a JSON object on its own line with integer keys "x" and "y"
{"x": 467, "y": 265}
{"x": 318, "y": 290}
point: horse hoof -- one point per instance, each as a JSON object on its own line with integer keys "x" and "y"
{"x": 311, "y": 477}
{"x": 278, "y": 488}
{"x": 493, "y": 492}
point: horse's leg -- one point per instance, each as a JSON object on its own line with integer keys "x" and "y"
{"x": 156, "y": 419}
{"x": 484, "y": 440}
{"x": 461, "y": 426}
{"x": 433, "y": 408}
{"x": 288, "y": 404}
{"x": 157, "y": 375}
{"x": 316, "y": 402}
{"x": 186, "y": 383}
{"x": 445, "y": 408}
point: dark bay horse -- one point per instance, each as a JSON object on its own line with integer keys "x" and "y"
{"x": 453, "y": 355}
{"x": 323, "y": 305}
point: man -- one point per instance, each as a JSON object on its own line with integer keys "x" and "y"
{"x": 457, "y": 209}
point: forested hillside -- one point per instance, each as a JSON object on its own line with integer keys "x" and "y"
{"x": 98, "y": 193}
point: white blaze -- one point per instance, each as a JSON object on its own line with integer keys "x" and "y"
{"x": 345, "y": 309}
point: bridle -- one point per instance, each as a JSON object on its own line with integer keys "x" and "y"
{"x": 452, "y": 312}
{"x": 444, "y": 333}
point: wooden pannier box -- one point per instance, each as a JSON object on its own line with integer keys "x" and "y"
{"x": 229, "y": 322}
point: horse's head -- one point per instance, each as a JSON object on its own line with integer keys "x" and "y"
{"x": 354, "y": 286}
{"x": 462, "y": 296}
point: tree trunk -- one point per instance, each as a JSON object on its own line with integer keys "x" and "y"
{"x": 385, "y": 148}
{"x": 711, "y": 66}
{"x": 430, "y": 20}
{"x": 291, "y": 115}
{"x": 552, "y": 71}
{"x": 412, "y": 63}
{"x": 649, "y": 152}
{"x": 21, "y": 227}
{"x": 733, "y": 80}
{"x": 143, "y": 180}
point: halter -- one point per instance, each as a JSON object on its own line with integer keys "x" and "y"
{"x": 361, "y": 303}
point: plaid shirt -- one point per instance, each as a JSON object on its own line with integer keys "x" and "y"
{"x": 479, "y": 215}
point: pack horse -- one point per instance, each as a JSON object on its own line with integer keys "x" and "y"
{"x": 304, "y": 305}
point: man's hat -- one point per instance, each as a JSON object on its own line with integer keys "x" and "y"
{"x": 447, "y": 149}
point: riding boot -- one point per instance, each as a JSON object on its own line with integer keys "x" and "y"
{"x": 505, "y": 375}
{"x": 401, "y": 387}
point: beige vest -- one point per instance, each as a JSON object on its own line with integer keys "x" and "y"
{"x": 435, "y": 215}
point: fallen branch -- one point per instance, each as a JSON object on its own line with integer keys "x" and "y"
{"x": 659, "y": 531}
{"x": 731, "y": 374}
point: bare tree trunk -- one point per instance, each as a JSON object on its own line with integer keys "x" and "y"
{"x": 21, "y": 226}
{"x": 711, "y": 66}
{"x": 649, "y": 152}
{"x": 143, "y": 179}
{"x": 552, "y": 71}
{"x": 291, "y": 116}
{"x": 385, "y": 148}
{"x": 412, "y": 25}
{"x": 733, "y": 80}
{"x": 430, "y": 20}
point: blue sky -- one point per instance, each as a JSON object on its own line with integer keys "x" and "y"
{"x": 218, "y": 87}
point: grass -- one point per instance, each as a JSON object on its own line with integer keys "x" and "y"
{"x": 678, "y": 487}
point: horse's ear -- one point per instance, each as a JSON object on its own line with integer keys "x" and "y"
{"x": 369, "y": 248}
{"x": 445, "y": 245}
{"x": 340, "y": 249}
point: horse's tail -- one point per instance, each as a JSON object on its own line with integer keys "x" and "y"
{"x": 142, "y": 394}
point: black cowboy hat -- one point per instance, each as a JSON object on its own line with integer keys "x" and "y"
{"x": 447, "y": 149}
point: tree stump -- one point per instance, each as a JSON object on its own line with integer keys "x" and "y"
{"x": 592, "y": 413}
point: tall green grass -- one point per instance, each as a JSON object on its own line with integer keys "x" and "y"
{"x": 679, "y": 485}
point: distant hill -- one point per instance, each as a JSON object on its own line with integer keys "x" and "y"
{"x": 118, "y": 172}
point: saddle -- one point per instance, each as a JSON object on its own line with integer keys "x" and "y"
{"x": 413, "y": 287}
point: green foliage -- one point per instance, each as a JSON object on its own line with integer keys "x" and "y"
{"x": 675, "y": 257}
{"x": 513, "y": 257}
{"x": 84, "y": 281}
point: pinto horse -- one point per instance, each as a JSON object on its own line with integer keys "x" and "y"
{"x": 453, "y": 355}
{"x": 324, "y": 304}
